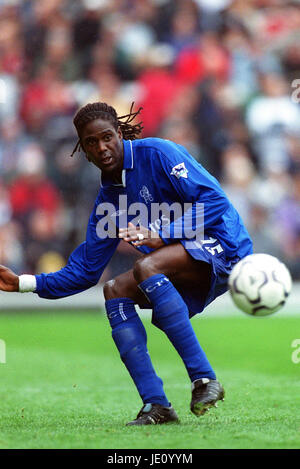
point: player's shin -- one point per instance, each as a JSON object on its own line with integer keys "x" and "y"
{"x": 130, "y": 338}
{"x": 171, "y": 315}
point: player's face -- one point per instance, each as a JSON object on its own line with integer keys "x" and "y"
{"x": 103, "y": 145}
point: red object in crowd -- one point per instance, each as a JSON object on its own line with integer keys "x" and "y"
{"x": 34, "y": 104}
{"x": 46, "y": 96}
{"x": 12, "y": 63}
{"x": 159, "y": 87}
{"x": 27, "y": 195}
{"x": 194, "y": 64}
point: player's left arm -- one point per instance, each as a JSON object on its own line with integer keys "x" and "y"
{"x": 197, "y": 190}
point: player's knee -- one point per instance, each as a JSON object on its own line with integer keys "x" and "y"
{"x": 145, "y": 267}
{"x": 118, "y": 288}
{"x": 110, "y": 290}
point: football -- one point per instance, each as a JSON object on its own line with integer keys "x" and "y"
{"x": 260, "y": 284}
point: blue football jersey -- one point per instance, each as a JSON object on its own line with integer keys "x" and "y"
{"x": 156, "y": 174}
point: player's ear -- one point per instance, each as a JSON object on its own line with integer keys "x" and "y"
{"x": 120, "y": 135}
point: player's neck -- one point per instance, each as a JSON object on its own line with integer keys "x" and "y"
{"x": 115, "y": 176}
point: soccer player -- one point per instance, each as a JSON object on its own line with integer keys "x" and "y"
{"x": 187, "y": 255}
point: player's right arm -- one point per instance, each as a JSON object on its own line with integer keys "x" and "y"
{"x": 9, "y": 281}
{"x": 83, "y": 270}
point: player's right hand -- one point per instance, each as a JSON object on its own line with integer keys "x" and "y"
{"x": 9, "y": 281}
{"x": 149, "y": 238}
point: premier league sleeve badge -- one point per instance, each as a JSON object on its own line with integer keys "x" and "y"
{"x": 180, "y": 171}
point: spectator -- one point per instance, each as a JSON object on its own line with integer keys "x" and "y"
{"x": 12, "y": 141}
{"x": 31, "y": 189}
{"x": 157, "y": 87}
{"x": 207, "y": 59}
{"x": 287, "y": 220}
{"x": 269, "y": 116}
{"x": 44, "y": 97}
{"x": 238, "y": 176}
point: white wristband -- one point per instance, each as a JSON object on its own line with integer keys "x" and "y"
{"x": 27, "y": 283}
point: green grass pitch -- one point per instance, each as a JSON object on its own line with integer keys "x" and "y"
{"x": 64, "y": 386}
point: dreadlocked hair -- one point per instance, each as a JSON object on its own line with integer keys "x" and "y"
{"x": 103, "y": 111}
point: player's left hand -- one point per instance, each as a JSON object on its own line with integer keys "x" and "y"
{"x": 141, "y": 236}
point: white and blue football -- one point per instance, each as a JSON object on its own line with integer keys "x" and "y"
{"x": 260, "y": 284}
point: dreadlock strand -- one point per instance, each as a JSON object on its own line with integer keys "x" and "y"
{"x": 130, "y": 131}
{"x": 76, "y": 148}
{"x": 131, "y": 114}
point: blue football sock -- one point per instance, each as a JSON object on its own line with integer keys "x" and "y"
{"x": 130, "y": 338}
{"x": 171, "y": 315}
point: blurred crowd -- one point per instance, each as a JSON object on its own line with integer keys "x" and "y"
{"x": 221, "y": 77}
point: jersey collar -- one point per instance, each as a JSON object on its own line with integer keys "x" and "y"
{"x": 128, "y": 154}
{"x": 127, "y": 161}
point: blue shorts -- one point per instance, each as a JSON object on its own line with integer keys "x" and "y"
{"x": 211, "y": 252}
